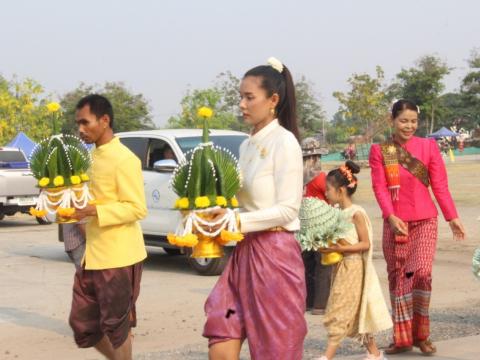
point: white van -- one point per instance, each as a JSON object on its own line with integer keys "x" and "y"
{"x": 159, "y": 151}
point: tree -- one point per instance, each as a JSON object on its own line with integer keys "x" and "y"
{"x": 470, "y": 88}
{"x": 23, "y": 108}
{"x": 131, "y": 111}
{"x": 339, "y": 130}
{"x": 223, "y": 97}
{"x": 310, "y": 114}
{"x": 423, "y": 85}
{"x": 365, "y": 106}
{"x": 223, "y": 117}
{"x": 456, "y": 111}
{"x": 470, "y": 93}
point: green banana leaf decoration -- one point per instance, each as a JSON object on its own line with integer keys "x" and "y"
{"x": 61, "y": 160}
{"x": 209, "y": 176}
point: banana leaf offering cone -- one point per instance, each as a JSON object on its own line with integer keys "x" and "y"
{"x": 208, "y": 178}
{"x": 60, "y": 165}
{"x": 476, "y": 263}
{"x": 321, "y": 225}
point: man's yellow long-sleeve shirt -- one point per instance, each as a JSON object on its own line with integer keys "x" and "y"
{"x": 114, "y": 237}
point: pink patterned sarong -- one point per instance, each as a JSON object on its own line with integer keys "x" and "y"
{"x": 409, "y": 269}
{"x": 261, "y": 297}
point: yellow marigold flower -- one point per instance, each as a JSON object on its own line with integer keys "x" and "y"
{"x": 228, "y": 236}
{"x": 43, "y": 182}
{"x": 202, "y": 202}
{"x": 205, "y": 112}
{"x": 58, "y": 181}
{"x": 53, "y": 107}
{"x": 37, "y": 213}
{"x": 190, "y": 240}
{"x": 221, "y": 201}
{"x": 234, "y": 202}
{"x": 65, "y": 211}
{"x": 75, "y": 180}
{"x": 84, "y": 177}
{"x": 93, "y": 202}
{"x": 183, "y": 203}
{"x": 172, "y": 239}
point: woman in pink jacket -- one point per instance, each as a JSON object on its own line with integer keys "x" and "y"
{"x": 403, "y": 168}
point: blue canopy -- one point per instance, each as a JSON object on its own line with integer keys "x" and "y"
{"x": 443, "y": 132}
{"x": 22, "y": 142}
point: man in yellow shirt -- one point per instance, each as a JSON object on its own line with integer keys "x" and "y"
{"x": 108, "y": 283}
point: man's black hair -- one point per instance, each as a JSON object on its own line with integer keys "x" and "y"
{"x": 99, "y": 105}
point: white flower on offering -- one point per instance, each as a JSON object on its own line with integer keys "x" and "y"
{"x": 276, "y": 64}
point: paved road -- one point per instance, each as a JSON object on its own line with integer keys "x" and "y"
{"x": 36, "y": 278}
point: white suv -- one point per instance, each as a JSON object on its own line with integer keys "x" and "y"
{"x": 159, "y": 151}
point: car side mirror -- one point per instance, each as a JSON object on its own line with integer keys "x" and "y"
{"x": 167, "y": 165}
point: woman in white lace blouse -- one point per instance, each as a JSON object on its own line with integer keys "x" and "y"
{"x": 261, "y": 293}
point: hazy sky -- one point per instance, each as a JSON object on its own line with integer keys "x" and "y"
{"x": 161, "y": 48}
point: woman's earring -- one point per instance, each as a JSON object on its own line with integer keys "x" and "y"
{"x": 272, "y": 111}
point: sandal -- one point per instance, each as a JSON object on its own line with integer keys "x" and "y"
{"x": 392, "y": 349}
{"x": 426, "y": 347}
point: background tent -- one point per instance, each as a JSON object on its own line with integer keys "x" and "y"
{"x": 443, "y": 132}
{"x": 22, "y": 142}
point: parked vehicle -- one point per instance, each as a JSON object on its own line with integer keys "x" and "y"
{"x": 18, "y": 190}
{"x": 159, "y": 151}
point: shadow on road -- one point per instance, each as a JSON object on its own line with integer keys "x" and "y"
{"x": 158, "y": 260}
{"x": 53, "y": 252}
{"x": 33, "y": 320}
{"x": 29, "y": 223}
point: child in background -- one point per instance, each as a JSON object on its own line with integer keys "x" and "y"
{"x": 317, "y": 276}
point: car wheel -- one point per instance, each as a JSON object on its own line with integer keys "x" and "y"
{"x": 43, "y": 221}
{"x": 206, "y": 266}
{"x": 172, "y": 252}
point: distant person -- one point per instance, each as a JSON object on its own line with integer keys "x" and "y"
{"x": 317, "y": 276}
{"x": 168, "y": 153}
{"x": 403, "y": 169}
{"x": 349, "y": 152}
{"x": 107, "y": 285}
{"x": 74, "y": 241}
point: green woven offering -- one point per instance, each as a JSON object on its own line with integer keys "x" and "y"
{"x": 320, "y": 224}
{"x": 476, "y": 263}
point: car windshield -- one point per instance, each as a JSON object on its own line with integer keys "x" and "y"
{"x": 12, "y": 159}
{"x": 230, "y": 142}
{"x": 11, "y": 156}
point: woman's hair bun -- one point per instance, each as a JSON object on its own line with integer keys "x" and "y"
{"x": 354, "y": 168}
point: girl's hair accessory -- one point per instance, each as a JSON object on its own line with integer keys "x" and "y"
{"x": 347, "y": 173}
{"x": 394, "y": 101}
{"x": 276, "y": 64}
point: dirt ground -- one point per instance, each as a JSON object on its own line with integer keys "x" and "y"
{"x": 36, "y": 279}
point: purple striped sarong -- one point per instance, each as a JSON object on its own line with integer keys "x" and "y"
{"x": 261, "y": 297}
